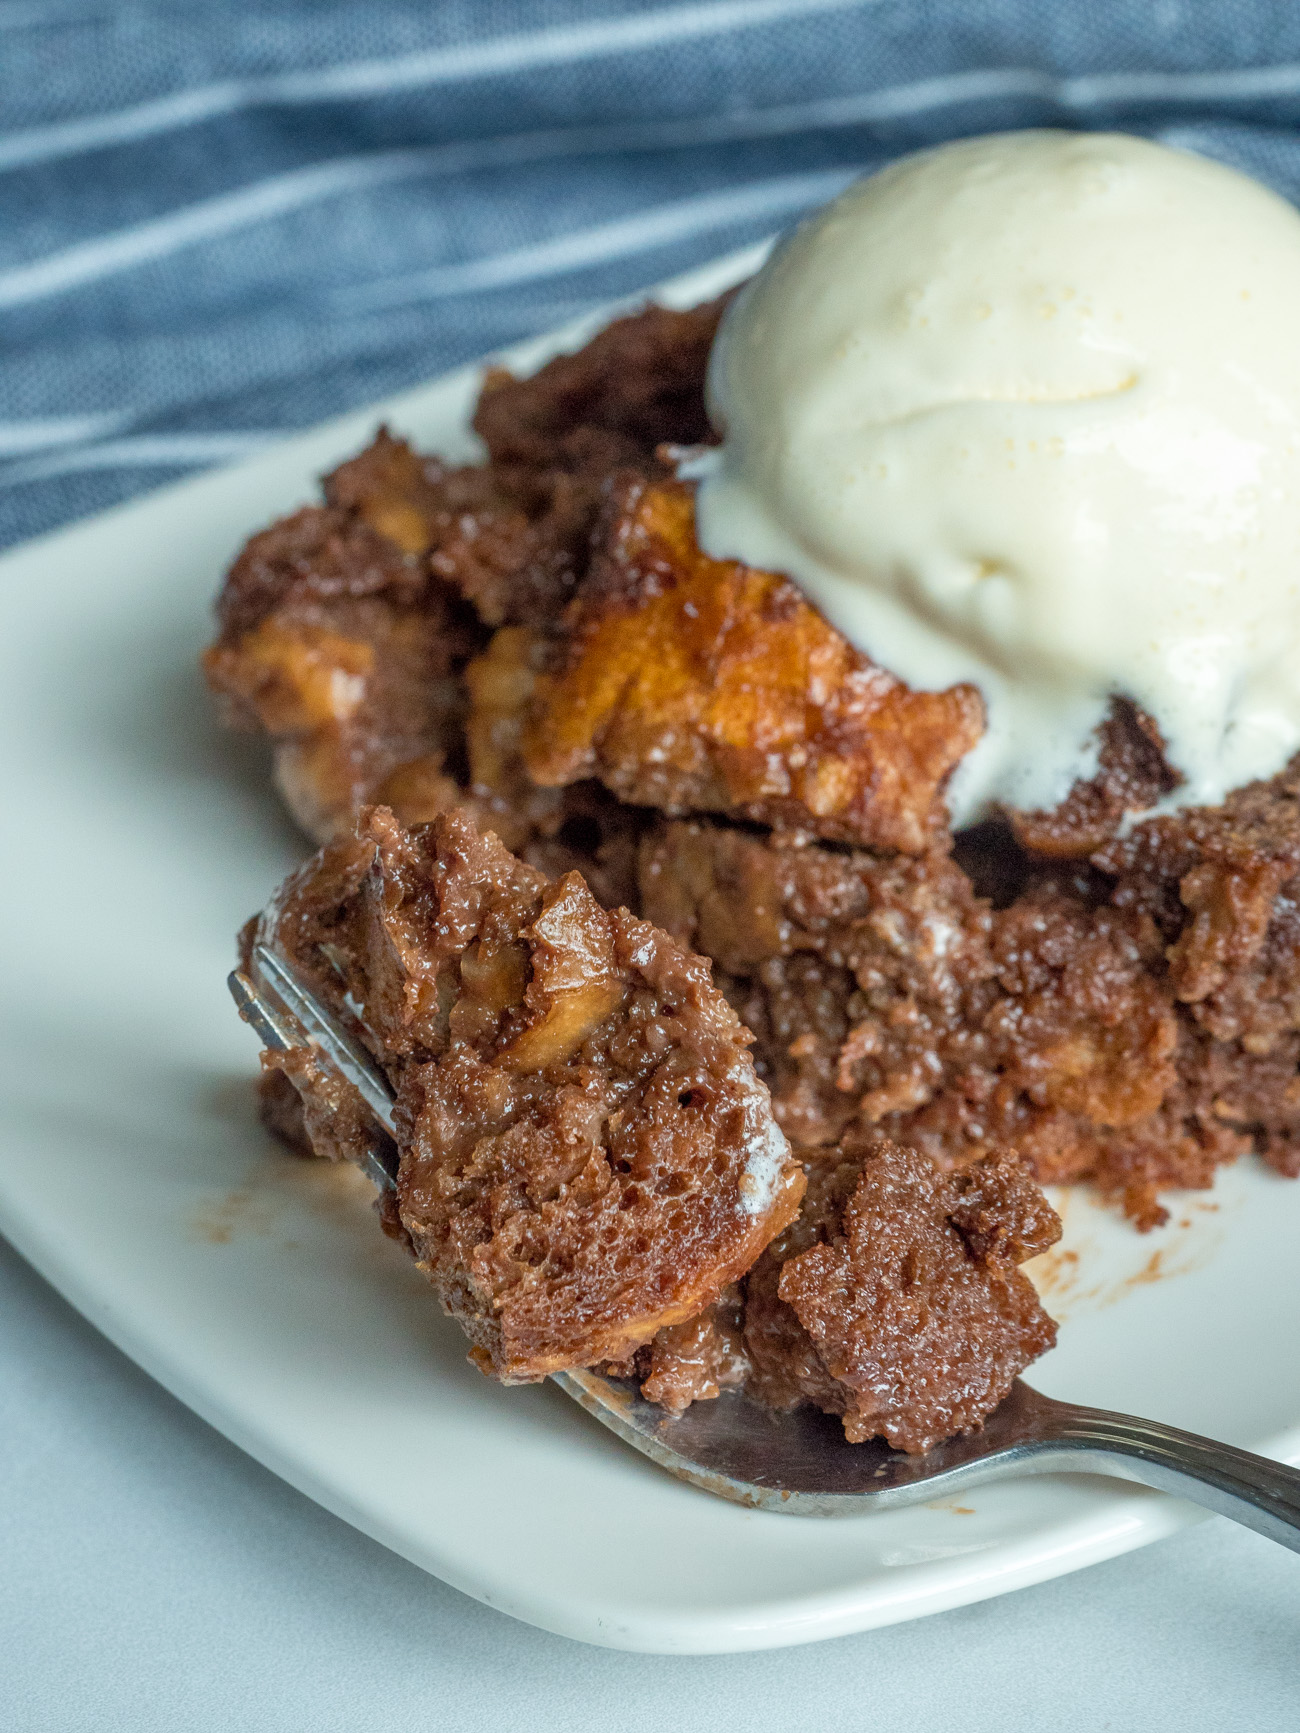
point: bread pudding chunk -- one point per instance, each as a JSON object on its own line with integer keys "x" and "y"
{"x": 895, "y": 1300}
{"x": 587, "y": 1155}
{"x": 692, "y": 684}
{"x": 885, "y": 990}
{"x": 346, "y": 652}
{"x": 699, "y": 1359}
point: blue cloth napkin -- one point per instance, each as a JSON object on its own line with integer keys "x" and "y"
{"x": 219, "y": 224}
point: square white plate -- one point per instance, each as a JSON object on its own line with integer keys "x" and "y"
{"x": 258, "y": 1288}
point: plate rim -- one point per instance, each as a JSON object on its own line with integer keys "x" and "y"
{"x": 1137, "y": 1520}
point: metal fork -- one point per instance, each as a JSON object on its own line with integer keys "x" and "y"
{"x": 800, "y": 1462}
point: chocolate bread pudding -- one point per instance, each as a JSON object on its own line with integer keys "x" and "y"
{"x": 587, "y": 1154}
{"x": 895, "y": 1300}
{"x": 590, "y": 1172}
{"x": 643, "y": 881}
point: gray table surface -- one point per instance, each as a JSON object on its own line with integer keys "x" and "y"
{"x": 154, "y": 1577}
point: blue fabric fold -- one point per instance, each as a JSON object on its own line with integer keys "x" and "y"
{"x": 218, "y": 225}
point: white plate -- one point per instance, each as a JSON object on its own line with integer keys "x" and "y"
{"x": 258, "y": 1288}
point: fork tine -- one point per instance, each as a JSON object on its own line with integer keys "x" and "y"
{"x": 279, "y": 1028}
{"x": 269, "y": 1026}
{"x": 281, "y": 983}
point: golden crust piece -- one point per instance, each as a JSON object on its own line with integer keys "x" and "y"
{"x": 694, "y": 684}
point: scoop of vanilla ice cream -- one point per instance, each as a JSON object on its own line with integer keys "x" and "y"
{"x": 1025, "y": 411}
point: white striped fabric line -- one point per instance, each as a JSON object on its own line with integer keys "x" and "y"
{"x": 206, "y": 220}
{"x": 226, "y": 212}
{"x": 209, "y": 219}
{"x": 623, "y": 238}
{"x": 367, "y": 78}
{"x": 1079, "y": 95}
{"x": 39, "y": 434}
{"x": 148, "y": 451}
{"x": 376, "y": 78}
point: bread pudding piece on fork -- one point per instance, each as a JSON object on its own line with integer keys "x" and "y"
{"x": 587, "y": 1155}
{"x": 895, "y": 1299}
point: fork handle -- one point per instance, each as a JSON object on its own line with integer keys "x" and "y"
{"x": 1262, "y": 1494}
